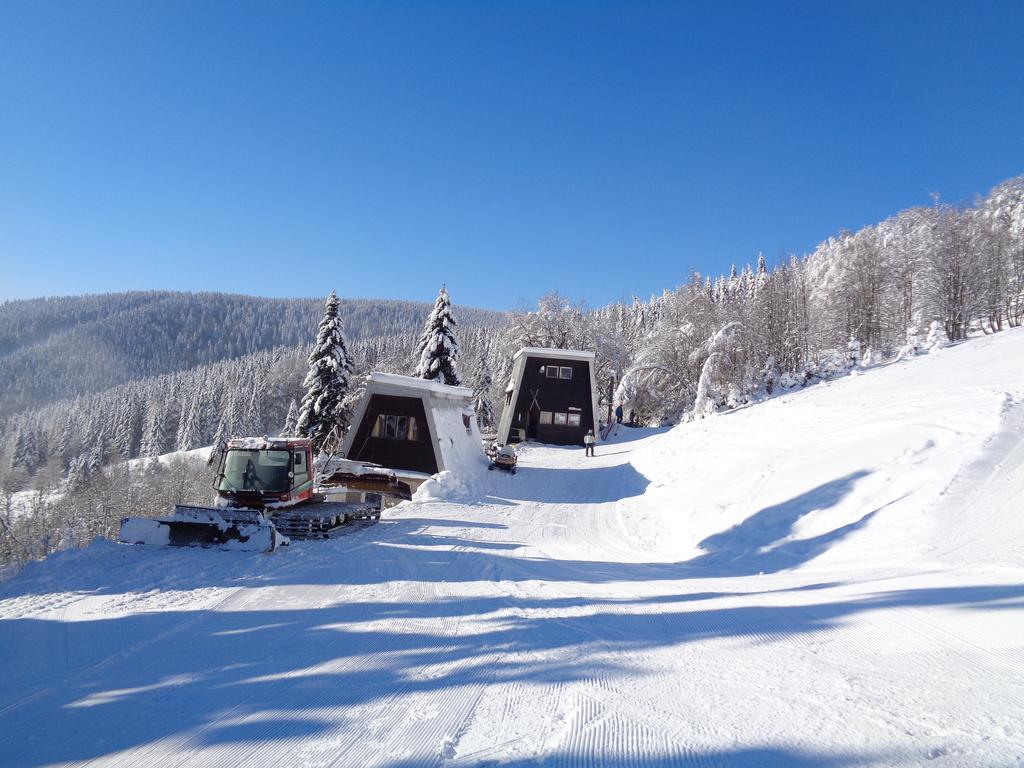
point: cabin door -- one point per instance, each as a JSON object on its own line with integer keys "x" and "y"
{"x": 531, "y": 423}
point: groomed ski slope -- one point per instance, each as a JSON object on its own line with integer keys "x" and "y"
{"x": 832, "y": 578}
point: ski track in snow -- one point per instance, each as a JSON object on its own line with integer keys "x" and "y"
{"x": 834, "y": 577}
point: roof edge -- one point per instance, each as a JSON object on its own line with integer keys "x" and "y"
{"x": 412, "y": 383}
{"x": 557, "y": 354}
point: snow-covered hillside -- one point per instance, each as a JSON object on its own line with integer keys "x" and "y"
{"x": 834, "y": 577}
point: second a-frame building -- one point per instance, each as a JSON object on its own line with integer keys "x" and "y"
{"x": 415, "y": 427}
{"x": 551, "y": 397}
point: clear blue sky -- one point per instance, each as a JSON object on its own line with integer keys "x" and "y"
{"x": 601, "y": 149}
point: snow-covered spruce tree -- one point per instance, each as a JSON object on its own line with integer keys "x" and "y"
{"x": 439, "y": 349}
{"x": 154, "y": 438}
{"x": 188, "y": 425}
{"x": 321, "y": 415}
{"x": 291, "y": 420}
{"x": 482, "y": 383}
{"x": 24, "y": 454}
{"x": 220, "y": 436}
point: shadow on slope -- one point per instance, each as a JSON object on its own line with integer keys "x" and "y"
{"x": 740, "y": 757}
{"x": 550, "y": 485}
{"x": 265, "y": 677}
{"x": 408, "y": 549}
{"x": 760, "y": 543}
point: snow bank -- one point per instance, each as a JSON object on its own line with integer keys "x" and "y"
{"x": 140, "y": 530}
{"x": 860, "y": 459}
{"x": 448, "y": 486}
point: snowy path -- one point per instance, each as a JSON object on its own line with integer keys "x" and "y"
{"x": 799, "y": 583}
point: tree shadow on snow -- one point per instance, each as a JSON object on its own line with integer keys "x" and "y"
{"x": 740, "y": 757}
{"x": 85, "y": 689}
{"x": 550, "y": 485}
{"x": 412, "y": 549}
{"x": 753, "y": 546}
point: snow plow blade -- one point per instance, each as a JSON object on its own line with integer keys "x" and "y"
{"x": 231, "y": 529}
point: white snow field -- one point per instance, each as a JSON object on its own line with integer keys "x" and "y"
{"x": 832, "y": 578}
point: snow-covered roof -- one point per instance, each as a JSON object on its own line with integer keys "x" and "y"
{"x": 556, "y": 354}
{"x": 392, "y": 383}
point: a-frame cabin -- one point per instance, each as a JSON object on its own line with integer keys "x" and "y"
{"x": 551, "y": 397}
{"x": 414, "y": 426}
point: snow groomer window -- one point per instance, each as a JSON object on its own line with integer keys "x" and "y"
{"x": 299, "y": 467}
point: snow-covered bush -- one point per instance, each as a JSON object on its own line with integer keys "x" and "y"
{"x": 913, "y": 345}
{"x": 937, "y": 338}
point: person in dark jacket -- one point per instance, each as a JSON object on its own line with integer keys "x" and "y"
{"x": 618, "y": 414}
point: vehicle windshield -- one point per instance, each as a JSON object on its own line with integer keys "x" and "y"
{"x": 253, "y": 470}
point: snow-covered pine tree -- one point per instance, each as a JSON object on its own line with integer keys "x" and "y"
{"x": 761, "y": 278}
{"x": 439, "y": 349}
{"x": 220, "y": 436}
{"x": 482, "y": 383}
{"x": 124, "y": 428}
{"x": 321, "y": 416}
{"x": 291, "y": 420}
{"x": 252, "y": 418}
{"x": 188, "y": 429}
{"x": 22, "y": 456}
{"x": 154, "y": 437}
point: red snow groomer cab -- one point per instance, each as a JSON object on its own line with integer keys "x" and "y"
{"x": 268, "y": 492}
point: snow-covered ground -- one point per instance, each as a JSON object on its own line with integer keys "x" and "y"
{"x": 834, "y": 577}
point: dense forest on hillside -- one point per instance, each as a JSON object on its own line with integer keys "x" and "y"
{"x": 55, "y": 348}
{"x": 915, "y": 282}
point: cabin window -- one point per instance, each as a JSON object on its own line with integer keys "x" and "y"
{"x": 565, "y": 372}
{"x": 552, "y": 371}
{"x": 574, "y": 419}
{"x": 561, "y": 419}
{"x": 545, "y": 417}
{"x": 390, "y": 427}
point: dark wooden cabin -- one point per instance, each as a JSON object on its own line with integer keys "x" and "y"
{"x": 551, "y": 397}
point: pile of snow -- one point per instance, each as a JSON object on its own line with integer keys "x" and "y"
{"x": 447, "y": 486}
{"x": 142, "y": 530}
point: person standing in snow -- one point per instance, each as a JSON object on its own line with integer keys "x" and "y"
{"x": 632, "y": 418}
{"x": 618, "y": 414}
{"x": 588, "y": 441}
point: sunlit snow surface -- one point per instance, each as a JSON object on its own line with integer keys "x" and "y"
{"x": 834, "y": 577}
